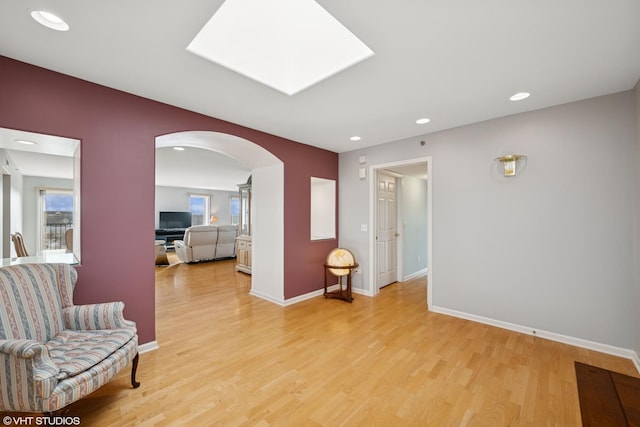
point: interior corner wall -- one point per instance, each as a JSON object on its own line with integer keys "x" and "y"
{"x": 16, "y": 222}
{"x": 636, "y": 93}
{"x": 5, "y": 208}
{"x": 413, "y": 227}
{"x": 11, "y": 203}
{"x": 550, "y": 249}
{"x": 118, "y": 134}
{"x": 5, "y": 180}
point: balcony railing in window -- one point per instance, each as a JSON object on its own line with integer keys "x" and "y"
{"x": 56, "y": 226}
{"x": 54, "y": 236}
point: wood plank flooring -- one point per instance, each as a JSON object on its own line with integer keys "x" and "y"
{"x": 229, "y": 359}
{"x": 607, "y": 398}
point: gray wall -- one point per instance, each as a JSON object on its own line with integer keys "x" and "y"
{"x": 550, "y": 249}
{"x": 414, "y": 225}
{"x": 177, "y": 199}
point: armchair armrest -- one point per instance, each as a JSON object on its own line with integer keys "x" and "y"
{"x": 26, "y": 349}
{"x": 30, "y": 360}
{"x": 96, "y": 316}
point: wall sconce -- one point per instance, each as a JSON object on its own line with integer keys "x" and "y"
{"x": 510, "y": 162}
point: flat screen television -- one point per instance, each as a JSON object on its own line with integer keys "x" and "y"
{"x": 174, "y": 220}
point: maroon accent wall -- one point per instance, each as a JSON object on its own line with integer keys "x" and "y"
{"x": 117, "y": 131}
{"x": 301, "y": 276}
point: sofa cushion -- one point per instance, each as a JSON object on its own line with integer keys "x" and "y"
{"x": 76, "y": 351}
{"x": 200, "y": 235}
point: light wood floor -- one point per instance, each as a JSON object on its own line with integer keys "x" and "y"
{"x": 230, "y": 359}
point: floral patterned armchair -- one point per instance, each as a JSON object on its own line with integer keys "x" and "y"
{"x": 52, "y": 352}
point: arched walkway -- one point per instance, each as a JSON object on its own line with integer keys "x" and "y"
{"x": 267, "y": 173}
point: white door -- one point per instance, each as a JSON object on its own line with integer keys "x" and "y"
{"x": 386, "y": 233}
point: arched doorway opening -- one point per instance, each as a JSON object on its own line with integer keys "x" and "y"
{"x": 267, "y": 171}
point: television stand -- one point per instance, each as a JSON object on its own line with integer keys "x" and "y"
{"x": 169, "y": 235}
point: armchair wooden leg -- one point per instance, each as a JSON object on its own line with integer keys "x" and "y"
{"x": 134, "y": 368}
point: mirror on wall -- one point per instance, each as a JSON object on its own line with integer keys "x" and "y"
{"x": 40, "y": 193}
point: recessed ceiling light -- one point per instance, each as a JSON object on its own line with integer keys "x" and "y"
{"x": 355, "y": 138}
{"x": 520, "y": 96}
{"x": 178, "y": 148}
{"x": 25, "y": 142}
{"x": 50, "y": 20}
{"x": 423, "y": 121}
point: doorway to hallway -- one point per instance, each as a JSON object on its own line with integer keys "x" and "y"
{"x": 400, "y": 215}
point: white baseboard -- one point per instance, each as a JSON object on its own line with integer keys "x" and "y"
{"x": 267, "y": 297}
{"x": 314, "y": 294}
{"x": 361, "y": 292}
{"x": 577, "y": 342}
{"x": 417, "y": 274}
{"x": 304, "y": 297}
{"x": 148, "y": 346}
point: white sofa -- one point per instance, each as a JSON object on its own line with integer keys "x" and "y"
{"x": 226, "y": 246}
{"x": 207, "y": 242}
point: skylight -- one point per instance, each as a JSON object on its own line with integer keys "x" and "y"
{"x": 288, "y": 45}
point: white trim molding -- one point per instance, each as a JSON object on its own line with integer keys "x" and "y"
{"x": 415, "y": 275}
{"x": 577, "y": 342}
{"x": 267, "y": 297}
{"x": 373, "y": 289}
{"x": 304, "y": 297}
{"x": 148, "y": 346}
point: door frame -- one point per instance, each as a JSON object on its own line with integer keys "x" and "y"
{"x": 373, "y": 170}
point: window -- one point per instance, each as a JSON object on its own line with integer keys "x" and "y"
{"x": 199, "y": 206}
{"x": 235, "y": 210}
{"x": 56, "y": 208}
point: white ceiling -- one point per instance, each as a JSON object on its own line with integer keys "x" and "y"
{"x": 456, "y": 62}
{"x": 198, "y": 168}
{"x": 49, "y": 156}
